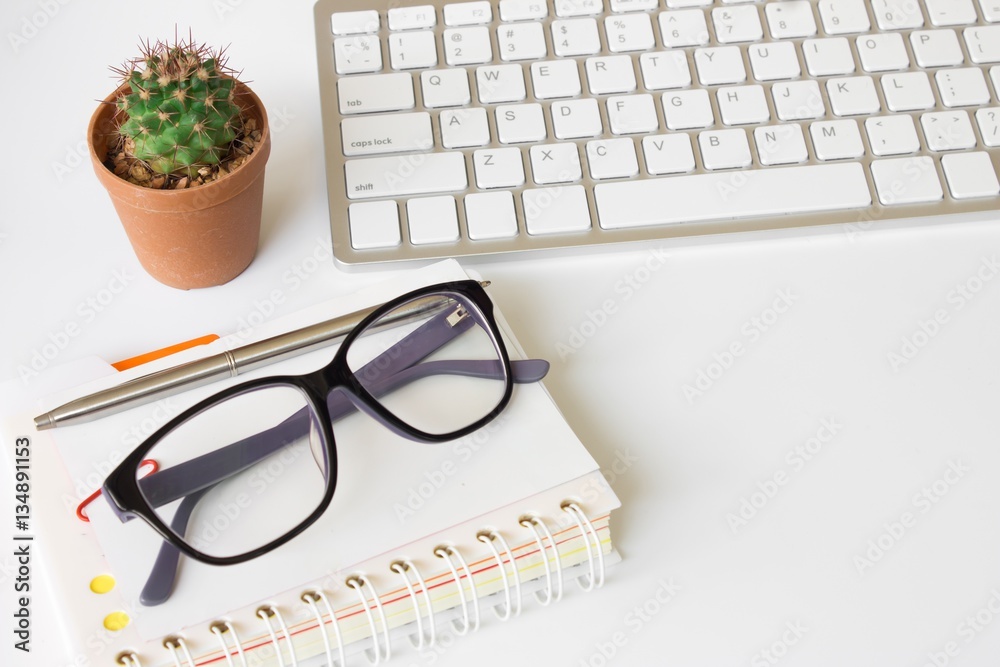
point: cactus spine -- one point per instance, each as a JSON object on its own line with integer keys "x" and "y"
{"x": 181, "y": 110}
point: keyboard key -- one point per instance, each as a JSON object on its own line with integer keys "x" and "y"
{"x": 556, "y": 210}
{"x": 724, "y": 149}
{"x": 612, "y": 158}
{"x": 983, "y": 44}
{"x": 375, "y": 93}
{"x": 555, "y": 78}
{"x": 687, "y": 109}
{"x": 836, "y": 140}
{"x": 632, "y": 114}
{"x": 720, "y": 65}
{"x": 634, "y": 5}
{"x": 882, "y": 53}
{"x": 743, "y": 105}
{"x": 413, "y": 50}
{"x": 780, "y": 144}
{"x": 500, "y": 83}
{"x": 524, "y": 41}
{"x": 853, "y": 96}
{"x": 664, "y": 70}
{"x": 468, "y": 13}
{"x": 371, "y": 135}
{"x": 355, "y": 23}
{"x": 668, "y": 154}
{"x": 951, "y": 12}
{"x": 575, "y": 37}
{"x": 357, "y": 54}
{"x": 520, "y": 123}
{"x": 892, "y": 135}
{"x": 572, "y": 8}
{"x": 403, "y": 175}
{"x": 374, "y": 224}
{"x": 737, "y": 24}
{"x": 989, "y": 126}
{"x": 829, "y": 56}
{"x": 773, "y": 61}
{"x": 907, "y": 180}
{"x": 523, "y": 10}
{"x": 686, "y": 27}
{"x": 613, "y": 74}
{"x": 576, "y": 119}
{"x": 909, "y": 91}
{"x": 936, "y": 48}
{"x": 464, "y": 128}
{"x": 948, "y": 131}
{"x": 844, "y": 17}
{"x": 963, "y": 87}
{"x": 445, "y": 88}
{"x": 688, "y": 3}
{"x": 990, "y": 9}
{"x": 632, "y": 32}
{"x": 705, "y": 197}
{"x": 490, "y": 215}
{"x": 555, "y": 163}
{"x": 788, "y": 20}
{"x": 970, "y": 175}
{"x": 897, "y": 14}
{"x": 498, "y": 168}
{"x": 798, "y": 100}
{"x": 432, "y": 220}
{"x": 412, "y": 18}
{"x": 468, "y": 46}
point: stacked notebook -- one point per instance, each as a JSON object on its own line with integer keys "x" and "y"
{"x": 418, "y": 540}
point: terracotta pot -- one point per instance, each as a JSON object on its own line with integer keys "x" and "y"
{"x": 196, "y": 237}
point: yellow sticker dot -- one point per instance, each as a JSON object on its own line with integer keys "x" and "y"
{"x": 102, "y": 584}
{"x": 116, "y": 621}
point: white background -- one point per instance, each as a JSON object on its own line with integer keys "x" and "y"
{"x": 683, "y": 464}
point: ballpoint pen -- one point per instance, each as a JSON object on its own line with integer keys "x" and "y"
{"x": 228, "y": 363}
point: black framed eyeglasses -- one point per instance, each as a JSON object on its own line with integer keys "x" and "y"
{"x": 246, "y": 470}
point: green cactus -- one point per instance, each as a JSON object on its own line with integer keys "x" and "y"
{"x": 181, "y": 112}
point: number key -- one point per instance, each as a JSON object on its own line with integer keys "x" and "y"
{"x": 468, "y": 46}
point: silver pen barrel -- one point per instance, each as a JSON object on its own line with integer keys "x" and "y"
{"x": 230, "y": 363}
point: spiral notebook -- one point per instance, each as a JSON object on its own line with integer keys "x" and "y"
{"x": 416, "y": 538}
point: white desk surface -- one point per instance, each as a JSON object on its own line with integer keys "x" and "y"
{"x": 680, "y": 463}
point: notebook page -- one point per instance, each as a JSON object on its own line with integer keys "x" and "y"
{"x": 390, "y": 491}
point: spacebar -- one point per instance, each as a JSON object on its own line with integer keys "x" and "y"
{"x": 732, "y": 195}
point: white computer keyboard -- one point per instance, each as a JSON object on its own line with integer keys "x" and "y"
{"x": 478, "y": 128}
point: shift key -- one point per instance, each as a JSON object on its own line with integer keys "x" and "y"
{"x": 404, "y": 175}
{"x": 375, "y": 93}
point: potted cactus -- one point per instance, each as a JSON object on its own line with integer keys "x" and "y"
{"x": 181, "y": 147}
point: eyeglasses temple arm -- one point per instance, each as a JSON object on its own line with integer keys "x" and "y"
{"x": 160, "y": 583}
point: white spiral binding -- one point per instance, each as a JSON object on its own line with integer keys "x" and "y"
{"x": 376, "y": 654}
{"x": 132, "y": 658}
{"x": 401, "y": 568}
{"x": 595, "y": 580}
{"x": 446, "y": 553}
{"x": 487, "y": 538}
{"x": 357, "y": 582}
{"x": 531, "y": 522}
{"x": 218, "y": 628}
{"x": 172, "y": 643}
{"x": 263, "y": 614}
{"x": 310, "y": 598}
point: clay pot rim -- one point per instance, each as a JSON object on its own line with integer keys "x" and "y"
{"x": 261, "y": 150}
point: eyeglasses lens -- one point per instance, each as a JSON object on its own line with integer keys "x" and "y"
{"x": 240, "y": 473}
